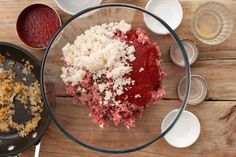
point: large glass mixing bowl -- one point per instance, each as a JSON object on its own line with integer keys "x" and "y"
{"x": 73, "y": 119}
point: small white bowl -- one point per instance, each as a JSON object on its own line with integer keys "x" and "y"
{"x": 168, "y": 10}
{"x": 186, "y": 130}
{"x": 74, "y": 6}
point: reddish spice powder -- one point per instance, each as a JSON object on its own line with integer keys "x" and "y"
{"x": 37, "y": 24}
{"x": 147, "y": 58}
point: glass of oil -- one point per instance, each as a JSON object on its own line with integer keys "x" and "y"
{"x": 212, "y": 23}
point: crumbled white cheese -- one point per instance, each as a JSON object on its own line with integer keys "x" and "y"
{"x": 141, "y": 69}
{"x": 101, "y": 126}
{"x": 108, "y": 95}
{"x": 137, "y": 96}
{"x": 119, "y": 71}
{"x": 83, "y": 90}
{"x": 119, "y": 91}
{"x": 117, "y": 102}
{"x": 102, "y": 87}
{"x": 95, "y": 77}
{"x": 105, "y": 102}
{"x": 72, "y": 75}
{"x": 97, "y": 52}
{"x": 122, "y": 26}
{"x": 79, "y": 88}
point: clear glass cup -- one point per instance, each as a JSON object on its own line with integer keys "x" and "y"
{"x": 212, "y": 23}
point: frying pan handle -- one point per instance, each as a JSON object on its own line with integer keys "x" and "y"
{"x": 18, "y": 155}
{"x": 37, "y": 149}
{"x": 36, "y": 152}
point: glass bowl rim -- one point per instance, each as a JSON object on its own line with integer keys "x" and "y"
{"x": 50, "y": 109}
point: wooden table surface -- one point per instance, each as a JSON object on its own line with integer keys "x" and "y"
{"x": 217, "y": 64}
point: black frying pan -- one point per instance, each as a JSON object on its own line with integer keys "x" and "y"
{"x": 11, "y": 143}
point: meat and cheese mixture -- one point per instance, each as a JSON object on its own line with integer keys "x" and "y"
{"x": 115, "y": 70}
{"x": 12, "y": 90}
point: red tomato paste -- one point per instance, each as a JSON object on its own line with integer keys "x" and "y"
{"x": 37, "y": 24}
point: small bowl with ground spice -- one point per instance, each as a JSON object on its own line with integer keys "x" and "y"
{"x": 36, "y": 24}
